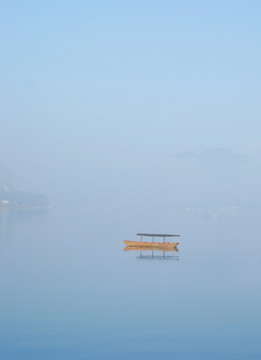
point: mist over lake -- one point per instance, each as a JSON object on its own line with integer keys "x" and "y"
{"x": 124, "y": 118}
{"x": 70, "y": 291}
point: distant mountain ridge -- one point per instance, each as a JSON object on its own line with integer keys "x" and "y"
{"x": 214, "y": 176}
{"x": 214, "y": 155}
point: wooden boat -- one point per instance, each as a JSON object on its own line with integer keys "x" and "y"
{"x": 152, "y": 244}
{"x": 149, "y": 247}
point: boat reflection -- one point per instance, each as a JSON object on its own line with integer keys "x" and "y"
{"x": 148, "y": 253}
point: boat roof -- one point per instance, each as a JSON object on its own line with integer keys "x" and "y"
{"x": 157, "y": 235}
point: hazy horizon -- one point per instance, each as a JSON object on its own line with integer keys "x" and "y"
{"x": 134, "y": 116}
{"x": 94, "y": 96}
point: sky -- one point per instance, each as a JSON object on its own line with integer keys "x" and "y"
{"x": 93, "y": 94}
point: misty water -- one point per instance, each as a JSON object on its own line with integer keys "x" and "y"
{"x": 70, "y": 291}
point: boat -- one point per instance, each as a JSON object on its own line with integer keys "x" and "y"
{"x": 149, "y": 247}
{"x": 152, "y": 244}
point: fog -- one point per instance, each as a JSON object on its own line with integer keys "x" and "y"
{"x": 119, "y": 117}
{"x": 141, "y": 105}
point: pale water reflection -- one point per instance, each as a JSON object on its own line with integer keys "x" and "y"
{"x": 153, "y": 254}
{"x": 69, "y": 291}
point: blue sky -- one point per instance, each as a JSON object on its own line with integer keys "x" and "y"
{"x": 85, "y": 82}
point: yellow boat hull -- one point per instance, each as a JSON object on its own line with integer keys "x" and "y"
{"x": 151, "y": 245}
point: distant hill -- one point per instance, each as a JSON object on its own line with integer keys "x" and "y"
{"x": 215, "y": 156}
{"x": 214, "y": 176}
{"x": 219, "y": 175}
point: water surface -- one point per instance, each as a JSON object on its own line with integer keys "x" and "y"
{"x": 70, "y": 291}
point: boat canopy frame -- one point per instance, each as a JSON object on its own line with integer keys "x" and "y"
{"x": 157, "y": 235}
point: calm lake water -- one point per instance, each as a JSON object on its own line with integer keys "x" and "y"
{"x": 70, "y": 291}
